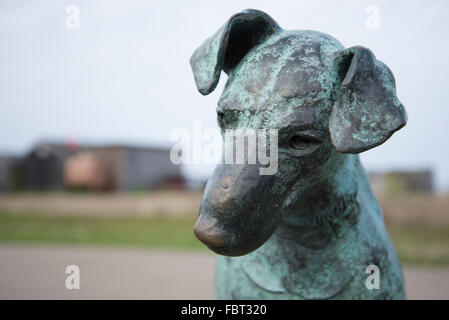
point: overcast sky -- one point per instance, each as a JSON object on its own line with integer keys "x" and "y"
{"x": 124, "y": 76}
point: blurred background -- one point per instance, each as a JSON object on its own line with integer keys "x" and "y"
{"x": 91, "y": 93}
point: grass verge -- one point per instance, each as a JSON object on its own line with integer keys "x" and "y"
{"x": 118, "y": 231}
{"x": 416, "y": 245}
{"x": 421, "y": 245}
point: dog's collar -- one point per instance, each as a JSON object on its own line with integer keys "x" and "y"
{"x": 338, "y": 209}
{"x": 322, "y": 229}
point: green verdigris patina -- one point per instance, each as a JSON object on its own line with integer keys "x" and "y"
{"x": 310, "y": 230}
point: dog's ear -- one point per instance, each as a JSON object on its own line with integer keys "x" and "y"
{"x": 366, "y": 111}
{"x": 225, "y": 49}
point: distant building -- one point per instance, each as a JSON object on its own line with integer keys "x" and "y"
{"x": 399, "y": 182}
{"x": 43, "y": 166}
{"x": 122, "y": 168}
{"x": 11, "y": 173}
{"x": 53, "y": 166}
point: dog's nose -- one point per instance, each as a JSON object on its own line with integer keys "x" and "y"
{"x": 208, "y": 233}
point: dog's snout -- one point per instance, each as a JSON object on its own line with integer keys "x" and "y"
{"x": 208, "y": 233}
{"x": 220, "y": 193}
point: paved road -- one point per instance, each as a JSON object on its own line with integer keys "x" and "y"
{"x": 31, "y": 272}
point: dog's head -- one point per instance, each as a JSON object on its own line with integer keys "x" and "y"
{"x": 324, "y": 100}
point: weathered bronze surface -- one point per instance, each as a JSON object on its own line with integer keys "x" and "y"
{"x": 310, "y": 230}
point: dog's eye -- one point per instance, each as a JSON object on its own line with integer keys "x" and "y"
{"x": 227, "y": 118}
{"x": 298, "y": 142}
{"x": 221, "y": 119}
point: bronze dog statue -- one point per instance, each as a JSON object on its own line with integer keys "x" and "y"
{"x": 311, "y": 230}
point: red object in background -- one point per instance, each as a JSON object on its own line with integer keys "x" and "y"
{"x": 72, "y": 145}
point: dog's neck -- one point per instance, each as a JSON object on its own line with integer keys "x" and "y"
{"x": 324, "y": 212}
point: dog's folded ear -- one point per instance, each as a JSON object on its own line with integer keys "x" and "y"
{"x": 366, "y": 111}
{"x": 225, "y": 49}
